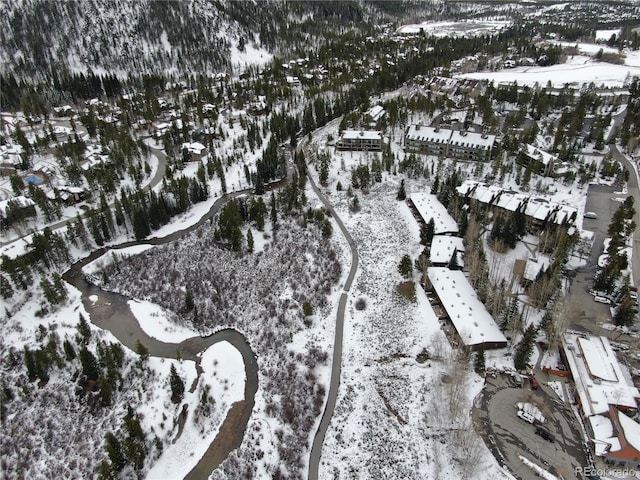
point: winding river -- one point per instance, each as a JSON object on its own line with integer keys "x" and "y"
{"x": 111, "y": 312}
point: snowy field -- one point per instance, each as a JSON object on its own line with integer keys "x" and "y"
{"x": 389, "y": 416}
{"x": 579, "y": 69}
{"x": 463, "y": 28}
{"x": 606, "y": 34}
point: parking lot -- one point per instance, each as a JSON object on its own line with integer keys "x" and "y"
{"x": 510, "y": 437}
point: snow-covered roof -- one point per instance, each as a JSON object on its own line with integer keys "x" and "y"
{"x": 364, "y": 134}
{"x": 603, "y": 439}
{"x": 11, "y": 154}
{"x": 538, "y": 208}
{"x": 21, "y": 201}
{"x": 376, "y": 112}
{"x": 467, "y": 313}
{"x": 429, "y": 207}
{"x": 631, "y": 430}
{"x": 62, "y": 130}
{"x": 540, "y": 155}
{"x": 598, "y": 376}
{"x": 195, "y": 147}
{"x": 442, "y": 247}
{"x": 472, "y": 140}
{"x": 426, "y": 134}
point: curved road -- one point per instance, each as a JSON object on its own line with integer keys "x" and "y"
{"x": 157, "y": 178}
{"x": 336, "y": 364}
{"x": 632, "y": 187}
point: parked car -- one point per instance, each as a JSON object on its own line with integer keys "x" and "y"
{"x": 545, "y": 434}
{"x": 527, "y": 417}
{"x": 590, "y": 215}
{"x": 518, "y": 379}
{"x": 604, "y": 300}
{"x": 534, "y": 382}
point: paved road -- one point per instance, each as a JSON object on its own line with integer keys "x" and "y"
{"x": 632, "y": 187}
{"x": 509, "y": 437}
{"x": 336, "y": 365}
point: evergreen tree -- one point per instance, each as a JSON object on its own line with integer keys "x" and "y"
{"x": 249, "y": 241}
{"x": 274, "y": 212}
{"x": 84, "y": 331}
{"x": 113, "y": 448}
{"x": 69, "y": 351}
{"x": 90, "y": 367}
{"x": 453, "y": 261}
{"x": 624, "y": 315}
{"x": 324, "y": 170}
{"x": 427, "y": 232}
{"x": 435, "y": 186}
{"x": 30, "y": 364}
{"x": 188, "y": 301}
{"x": 176, "y": 384}
{"x": 6, "y": 290}
{"x": 525, "y": 348}
{"x": 479, "y": 361}
{"x": 402, "y": 194}
{"x": 106, "y": 391}
{"x": 142, "y": 351}
{"x": 405, "y": 268}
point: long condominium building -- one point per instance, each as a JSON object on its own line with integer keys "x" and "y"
{"x": 460, "y": 145}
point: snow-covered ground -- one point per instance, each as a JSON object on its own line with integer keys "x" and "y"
{"x": 606, "y": 34}
{"x": 159, "y": 323}
{"x": 250, "y": 56}
{"x": 392, "y": 412}
{"x": 225, "y": 375}
{"x": 577, "y": 70}
{"x": 456, "y": 28}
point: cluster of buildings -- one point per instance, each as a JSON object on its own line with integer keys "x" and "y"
{"x": 459, "y": 145}
{"x": 448, "y": 286}
{"x": 538, "y": 211}
{"x": 606, "y": 398}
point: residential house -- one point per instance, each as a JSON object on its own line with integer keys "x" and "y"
{"x": 470, "y": 146}
{"x": 16, "y": 209}
{"x": 429, "y": 140}
{"x": 360, "y": 140}
{"x": 541, "y": 162}
{"x": 374, "y": 115}
{"x": 68, "y": 195}
{"x": 538, "y": 210}
{"x": 195, "y": 151}
{"x": 426, "y": 207}
{"x": 442, "y": 250}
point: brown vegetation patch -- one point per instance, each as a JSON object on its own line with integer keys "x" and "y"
{"x": 391, "y": 410}
{"x": 407, "y": 290}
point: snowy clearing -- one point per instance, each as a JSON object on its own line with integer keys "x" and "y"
{"x": 159, "y": 323}
{"x": 225, "y": 375}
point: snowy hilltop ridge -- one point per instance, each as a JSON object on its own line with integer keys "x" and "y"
{"x": 121, "y": 36}
{"x": 43, "y": 39}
